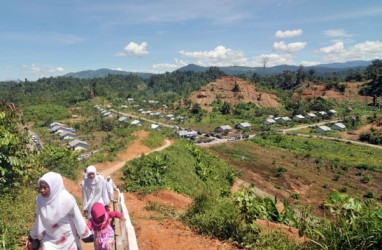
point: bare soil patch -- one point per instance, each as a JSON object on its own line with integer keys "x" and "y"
{"x": 223, "y": 89}
{"x": 351, "y": 93}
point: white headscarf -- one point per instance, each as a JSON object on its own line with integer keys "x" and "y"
{"x": 56, "y": 206}
{"x": 93, "y": 189}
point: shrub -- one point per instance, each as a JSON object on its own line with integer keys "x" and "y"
{"x": 366, "y": 178}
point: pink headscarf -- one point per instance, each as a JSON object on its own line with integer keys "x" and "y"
{"x": 98, "y": 210}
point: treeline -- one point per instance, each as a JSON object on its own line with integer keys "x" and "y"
{"x": 166, "y": 87}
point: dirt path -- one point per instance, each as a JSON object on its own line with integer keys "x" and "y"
{"x": 153, "y": 229}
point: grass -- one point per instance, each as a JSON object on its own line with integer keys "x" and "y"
{"x": 354, "y": 155}
{"x": 307, "y": 172}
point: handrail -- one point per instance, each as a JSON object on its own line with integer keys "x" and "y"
{"x": 127, "y": 228}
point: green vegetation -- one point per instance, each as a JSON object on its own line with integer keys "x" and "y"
{"x": 349, "y": 154}
{"x": 357, "y": 224}
{"x": 18, "y": 170}
{"x": 154, "y": 140}
{"x": 178, "y": 168}
{"x": 43, "y": 115}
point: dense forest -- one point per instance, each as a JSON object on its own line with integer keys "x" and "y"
{"x": 169, "y": 87}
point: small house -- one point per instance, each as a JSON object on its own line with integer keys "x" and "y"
{"x": 223, "y": 128}
{"x": 54, "y": 124}
{"x": 338, "y": 126}
{"x": 170, "y": 117}
{"x": 269, "y": 121}
{"x": 136, "y": 123}
{"x": 130, "y": 99}
{"x": 322, "y": 113}
{"x": 243, "y": 125}
{"x": 123, "y": 119}
{"x": 310, "y": 116}
{"x": 282, "y": 119}
{"x": 332, "y": 112}
{"x": 154, "y": 126}
{"x": 78, "y": 145}
{"x": 187, "y": 134}
{"x": 65, "y": 135}
{"x": 298, "y": 117}
{"x": 322, "y": 129}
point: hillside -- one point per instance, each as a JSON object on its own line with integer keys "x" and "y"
{"x": 223, "y": 89}
{"x": 351, "y": 92}
{"x": 320, "y": 69}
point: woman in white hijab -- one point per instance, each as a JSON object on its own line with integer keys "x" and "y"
{"x": 59, "y": 222}
{"x": 94, "y": 190}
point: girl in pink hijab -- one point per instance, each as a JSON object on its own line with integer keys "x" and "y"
{"x": 99, "y": 223}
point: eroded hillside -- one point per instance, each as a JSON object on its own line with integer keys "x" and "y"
{"x": 224, "y": 90}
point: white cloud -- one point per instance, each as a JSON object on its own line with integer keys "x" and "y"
{"x": 290, "y": 47}
{"x": 43, "y": 71}
{"x": 336, "y": 33}
{"x": 337, "y": 52}
{"x": 306, "y": 63}
{"x": 338, "y": 47}
{"x": 288, "y": 33}
{"x": 220, "y": 56}
{"x": 163, "y": 67}
{"x": 134, "y": 49}
{"x": 273, "y": 60}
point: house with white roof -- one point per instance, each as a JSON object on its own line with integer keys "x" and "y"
{"x": 298, "y": 117}
{"x": 67, "y": 135}
{"x": 243, "y": 125}
{"x": 322, "y": 113}
{"x": 332, "y": 112}
{"x": 54, "y": 124}
{"x": 123, "y": 119}
{"x": 223, "y": 128}
{"x": 269, "y": 121}
{"x": 310, "y": 116}
{"x": 338, "y": 126}
{"x": 154, "y": 126}
{"x": 136, "y": 123}
{"x": 186, "y": 133}
{"x": 322, "y": 129}
{"x": 282, "y": 119}
{"x": 78, "y": 145}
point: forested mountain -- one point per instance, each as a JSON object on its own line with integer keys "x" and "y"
{"x": 103, "y": 73}
{"x": 232, "y": 70}
{"x": 321, "y": 69}
{"x": 166, "y": 87}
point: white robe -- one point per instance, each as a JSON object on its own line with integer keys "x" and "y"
{"x": 59, "y": 223}
{"x": 94, "y": 190}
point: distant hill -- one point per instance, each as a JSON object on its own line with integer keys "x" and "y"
{"x": 104, "y": 72}
{"x": 234, "y": 70}
{"x": 319, "y": 69}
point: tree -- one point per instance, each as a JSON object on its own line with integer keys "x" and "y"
{"x": 300, "y": 75}
{"x": 225, "y": 109}
{"x": 374, "y": 73}
{"x": 196, "y": 108}
{"x": 236, "y": 88}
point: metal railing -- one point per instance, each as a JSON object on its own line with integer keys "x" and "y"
{"x": 127, "y": 228}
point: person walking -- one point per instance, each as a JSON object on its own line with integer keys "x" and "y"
{"x": 58, "y": 223}
{"x": 102, "y": 230}
{"x": 111, "y": 187}
{"x": 93, "y": 190}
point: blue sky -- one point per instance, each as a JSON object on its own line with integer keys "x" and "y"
{"x": 42, "y": 38}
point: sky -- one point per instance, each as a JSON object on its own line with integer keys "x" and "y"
{"x": 43, "y": 38}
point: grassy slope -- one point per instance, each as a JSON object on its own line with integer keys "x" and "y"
{"x": 308, "y": 173}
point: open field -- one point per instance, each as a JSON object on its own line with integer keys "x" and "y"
{"x": 308, "y": 170}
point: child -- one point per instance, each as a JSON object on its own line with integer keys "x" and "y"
{"x": 99, "y": 223}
